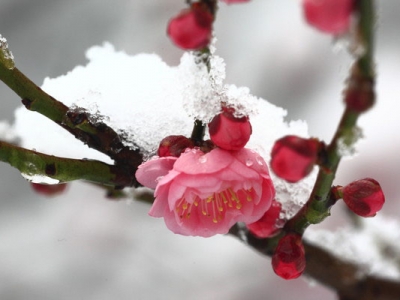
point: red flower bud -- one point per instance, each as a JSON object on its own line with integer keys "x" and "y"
{"x": 289, "y": 260}
{"x": 229, "y": 132}
{"x": 192, "y": 28}
{"x": 360, "y": 95}
{"x": 267, "y": 225}
{"x": 174, "y": 145}
{"x": 293, "y": 158}
{"x": 329, "y": 16}
{"x": 49, "y": 189}
{"x": 364, "y": 197}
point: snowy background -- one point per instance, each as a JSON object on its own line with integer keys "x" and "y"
{"x": 81, "y": 246}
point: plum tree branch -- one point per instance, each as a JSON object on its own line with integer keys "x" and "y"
{"x": 362, "y": 76}
{"x": 34, "y": 163}
{"x": 349, "y": 280}
{"x": 98, "y": 136}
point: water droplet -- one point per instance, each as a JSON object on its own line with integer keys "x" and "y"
{"x": 259, "y": 160}
{"x": 202, "y": 159}
{"x": 249, "y": 162}
{"x": 159, "y": 178}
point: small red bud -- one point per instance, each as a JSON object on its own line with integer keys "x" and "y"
{"x": 360, "y": 95}
{"x": 293, "y": 158}
{"x": 49, "y": 189}
{"x": 329, "y": 16}
{"x": 229, "y": 132}
{"x": 267, "y": 225}
{"x": 364, "y": 197}
{"x": 174, "y": 145}
{"x": 289, "y": 260}
{"x": 191, "y": 29}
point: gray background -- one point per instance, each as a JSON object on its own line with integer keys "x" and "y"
{"x": 81, "y": 246}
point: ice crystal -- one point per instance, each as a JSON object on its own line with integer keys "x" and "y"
{"x": 6, "y": 56}
{"x": 144, "y": 100}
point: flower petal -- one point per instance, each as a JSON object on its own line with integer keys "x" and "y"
{"x": 152, "y": 170}
{"x": 196, "y": 162}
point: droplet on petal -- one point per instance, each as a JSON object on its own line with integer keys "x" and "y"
{"x": 330, "y": 16}
{"x": 289, "y": 260}
{"x": 203, "y": 159}
{"x": 192, "y": 28}
{"x": 293, "y": 158}
{"x": 249, "y": 162}
{"x": 364, "y": 197}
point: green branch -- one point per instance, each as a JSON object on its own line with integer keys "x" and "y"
{"x": 33, "y": 163}
{"x": 97, "y": 136}
{"x": 362, "y": 75}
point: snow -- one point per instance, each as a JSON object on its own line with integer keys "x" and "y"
{"x": 145, "y": 100}
{"x": 373, "y": 245}
{"x": 7, "y": 133}
{"x": 6, "y": 56}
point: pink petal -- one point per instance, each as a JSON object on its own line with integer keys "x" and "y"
{"x": 196, "y": 162}
{"x": 150, "y": 172}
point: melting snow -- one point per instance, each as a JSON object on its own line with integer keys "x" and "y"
{"x": 144, "y": 99}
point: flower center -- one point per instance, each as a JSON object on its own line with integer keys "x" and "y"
{"x": 216, "y": 205}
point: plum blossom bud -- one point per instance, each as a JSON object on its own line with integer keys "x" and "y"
{"x": 289, "y": 260}
{"x": 364, "y": 197}
{"x": 329, "y": 16}
{"x": 174, "y": 145}
{"x": 49, "y": 189}
{"x": 229, "y": 132}
{"x": 360, "y": 95}
{"x": 293, "y": 158}
{"x": 267, "y": 226}
{"x": 191, "y": 29}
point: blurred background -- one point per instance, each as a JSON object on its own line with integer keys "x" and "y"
{"x": 82, "y": 246}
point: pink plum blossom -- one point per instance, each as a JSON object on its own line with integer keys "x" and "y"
{"x": 204, "y": 194}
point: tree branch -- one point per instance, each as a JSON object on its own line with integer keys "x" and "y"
{"x": 97, "y": 136}
{"x": 361, "y": 79}
{"x": 349, "y": 280}
{"x": 34, "y": 163}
